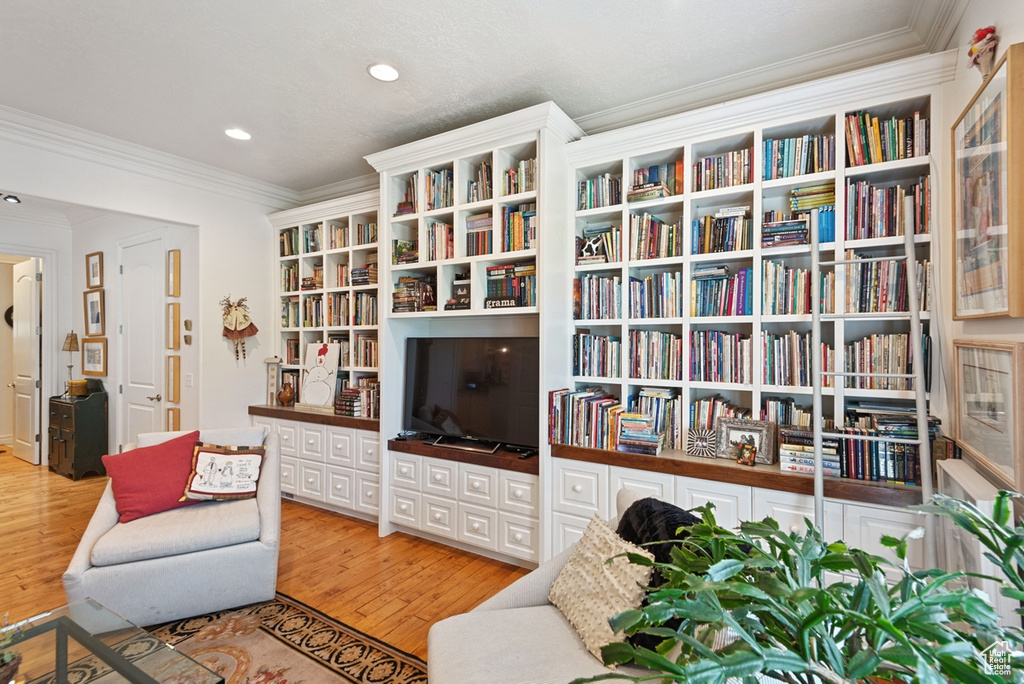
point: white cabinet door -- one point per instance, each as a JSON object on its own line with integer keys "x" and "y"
{"x": 440, "y": 516}
{"x": 790, "y": 510}
{"x": 864, "y": 525}
{"x": 405, "y": 470}
{"x": 517, "y": 536}
{"x": 732, "y": 501}
{"x": 518, "y": 493}
{"x": 311, "y": 442}
{"x": 341, "y": 446}
{"x": 568, "y": 529}
{"x": 478, "y": 526}
{"x": 658, "y": 485}
{"x": 405, "y": 507}
{"x": 581, "y": 488}
{"x": 264, "y": 422}
{"x": 311, "y": 481}
{"x": 289, "y": 431}
{"x": 440, "y": 477}
{"x": 288, "y": 468}
{"x": 340, "y": 487}
{"x": 367, "y": 451}
{"x": 478, "y": 485}
{"x": 367, "y": 492}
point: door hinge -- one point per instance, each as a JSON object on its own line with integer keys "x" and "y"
{"x": 120, "y": 269}
{"x": 120, "y": 389}
{"x": 39, "y": 330}
{"x": 120, "y": 329}
{"x": 38, "y": 384}
{"x": 39, "y": 277}
{"x": 37, "y": 437}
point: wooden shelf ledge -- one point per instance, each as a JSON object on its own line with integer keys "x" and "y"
{"x": 292, "y": 413}
{"x": 501, "y": 459}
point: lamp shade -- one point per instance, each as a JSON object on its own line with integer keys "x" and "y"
{"x": 70, "y": 342}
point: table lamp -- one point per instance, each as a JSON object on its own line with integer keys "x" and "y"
{"x": 70, "y": 346}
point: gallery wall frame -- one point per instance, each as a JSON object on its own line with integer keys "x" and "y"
{"x": 94, "y": 356}
{"x": 95, "y": 313}
{"x": 174, "y": 273}
{"x": 173, "y": 333}
{"x": 173, "y": 378}
{"x": 173, "y": 419}
{"x": 94, "y": 270}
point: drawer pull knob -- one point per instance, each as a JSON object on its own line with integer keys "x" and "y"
{"x": 337, "y": 487}
{"x": 309, "y": 441}
{"x": 403, "y": 508}
{"x": 369, "y": 494}
{"x": 437, "y": 516}
{"x": 577, "y": 488}
{"x": 403, "y": 470}
{"x": 475, "y": 527}
{"x": 476, "y": 485}
{"x": 437, "y": 477}
{"x": 369, "y": 452}
{"x": 309, "y": 480}
{"x": 518, "y": 537}
{"x": 518, "y": 493}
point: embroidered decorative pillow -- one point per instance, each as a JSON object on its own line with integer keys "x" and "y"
{"x": 590, "y": 591}
{"x": 223, "y": 472}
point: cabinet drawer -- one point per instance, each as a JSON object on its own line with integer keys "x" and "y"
{"x": 568, "y": 529}
{"x": 478, "y": 526}
{"x": 405, "y": 507}
{"x": 367, "y": 492}
{"x": 312, "y": 443}
{"x": 311, "y": 481}
{"x": 517, "y": 536}
{"x": 439, "y": 477}
{"x": 289, "y": 432}
{"x": 790, "y": 510}
{"x": 267, "y": 424}
{"x": 863, "y": 527}
{"x": 288, "y": 474}
{"x": 65, "y": 415}
{"x": 341, "y": 446}
{"x": 439, "y": 516}
{"x": 732, "y": 501}
{"x": 519, "y": 493}
{"x": 581, "y": 489}
{"x": 368, "y": 451}
{"x": 340, "y": 487}
{"x": 659, "y": 485}
{"x": 405, "y": 470}
{"x": 56, "y": 409}
{"x": 478, "y": 485}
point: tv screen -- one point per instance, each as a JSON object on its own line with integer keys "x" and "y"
{"x": 481, "y": 388}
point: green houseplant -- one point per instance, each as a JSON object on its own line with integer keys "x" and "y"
{"x": 765, "y": 586}
{"x": 10, "y": 659}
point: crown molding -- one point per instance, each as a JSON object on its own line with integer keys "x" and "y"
{"x": 15, "y": 216}
{"x": 314, "y": 213}
{"x": 938, "y": 22}
{"x": 352, "y": 186}
{"x": 52, "y": 136}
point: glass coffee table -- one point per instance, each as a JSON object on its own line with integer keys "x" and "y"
{"x": 87, "y": 644}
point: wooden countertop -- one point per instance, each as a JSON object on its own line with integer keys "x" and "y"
{"x": 504, "y": 460}
{"x": 292, "y": 413}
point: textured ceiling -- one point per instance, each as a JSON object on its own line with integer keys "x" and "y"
{"x": 173, "y": 75}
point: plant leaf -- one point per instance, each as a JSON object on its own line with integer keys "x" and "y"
{"x": 617, "y": 653}
{"x": 862, "y": 664}
{"x": 725, "y": 569}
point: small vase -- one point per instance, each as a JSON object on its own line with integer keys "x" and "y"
{"x": 9, "y": 670}
{"x": 286, "y": 395}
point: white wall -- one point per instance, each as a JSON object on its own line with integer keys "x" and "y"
{"x": 234, "y": 249}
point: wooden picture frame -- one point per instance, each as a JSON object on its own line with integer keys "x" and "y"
{"x": 174, "y": 273}
{"x": 94, "y": 356}
{"x": 988, "y": 396}
{"x": 93, "y": 270}
{"x": 174, "y": 378}
{"x": 988, "y": 186}
{"x": 173, "y": 334}
{"x": 95, "y": 313}
{"x": 729, "y": 432}
{"x": 173, "y": 419}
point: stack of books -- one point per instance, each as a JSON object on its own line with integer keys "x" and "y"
{"x": 647, "y": 191}
{"x": 783, "y": 233}
{"x": 638, "y": 434}
{"x": 413, "y": 294}
{"x": 404, "y": 252}
{"x": 367, "y": 274}
{"x": 796, "y": 452}
{"x": 667, "y": 410}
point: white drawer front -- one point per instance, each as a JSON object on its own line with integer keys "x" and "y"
{"x": 732, "y": 501}
{"x": 790, "y": 510}
{"x": 518, "y": 536}
{"x": 405, "y": 470}
{"x": 519, "y": 493}
{"x": 440, "y": 477}
{"x": 367, "y": 492}
{"x": 658, "y": 485}
{"x": 311, "y": 481}
{"x": 288, "y": 474}
{"x": 367, "y": 451}
{"x": 264, "y": 422}
{"x": 405, "y": 508}
{"x": 340, "y": 487}
{"x": 478, "y": 485}
{"x": 568, "y": 529}
{"x": 478, "y": 526}
{"x": 440, "y": 516}
{"x": 289, "y": 431}
{"x": 312, "y": 443}
{"x": 341, "y": 446}
{"x": 863, "y": 527}
{"x": 581, "y": 489}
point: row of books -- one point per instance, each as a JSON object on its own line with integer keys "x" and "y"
{"x": 596, "y": 356}
{"x": 312, "y": 238}
{"x": 714, "y": 292}
{"x": 439, "y": 189}
{"x": 519, "y": 227}
{"x": 785, "y": 411}
{"x": 599, "y": 245}
{"x": 787, "y": 291}
{"x": 705, "y": 412}
{"x": 603, "y": 191}
{"x": 889, "y": 353}
{"x": 521, "y": 178}
{"x": 658, "y": 295}
{"x": 512, "y": 285}
{"x": 596, "y": 297}
{"x": 718, "y": 356}
{"x": 723, "y": 232}
{"x": 652, "y": 238}
{"x": 724, "y": 170}
{"x": 787, "y": 359}
{"x": 366, "y": 233}
{"x": 409, "y": 199}
{"x": 881, "y": 286}
{"x": 290, "y": 312}
{"x": 669, "y": 175}
{"x": 870, "y": 140}
{"x": 787, "y": 157}
{"x": 291, "y": 352}
{"x": 289, "y": 242}
{"x": 337, "y": 308}
{"x": 337, "y": 236}
{"x": 875, "y": 212}
{"x": 479, "y": 242}
{"x": 366, "y": 349}
{"x": 289, "y": 277}
{"x": 364, "y": 308}
{"x": 440, "y": 241}
{"x": 312, "y": 312}
{"x": 315, "y": 281}
{"x": 414, "y": 293}
{"x": 826, "y": 223}
{"x": 342, "y": 275}
{"x": 655, "y": 355}
{"x": 586, "y": 417}
{"x": 358, "y": 400}
{"x": 666, "y": 408}
{"x": 479, "y": 188}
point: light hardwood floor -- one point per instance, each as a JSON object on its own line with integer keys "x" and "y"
{"x": 392, "y": 588}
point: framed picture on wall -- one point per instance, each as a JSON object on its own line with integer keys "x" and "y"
{"x": 173, "y": 335}
{"x": 94, "y": 356}
{"x": 95, "y": 315}
{"x": 174, "y": 273}
{"x": 93, "y": 270}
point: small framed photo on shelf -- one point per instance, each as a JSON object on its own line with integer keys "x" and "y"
{"x": 732, "y": 433}
{"x": 174, "y": 273}
{"x": 94, "y": 356}
{"x": 987, "y": 388}
{"x": 93, "y": 270}
{"x": 700, "y": 442}
{"x": 95, "y": 315}
{"x": 988, "y": 184}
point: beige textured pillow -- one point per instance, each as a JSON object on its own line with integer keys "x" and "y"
{"x": 590, "y": 591}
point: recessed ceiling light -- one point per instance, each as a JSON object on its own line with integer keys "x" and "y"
{"x": 383, "y": 72}
{"x": 12, "y": 199}
{"x": 237, "y": 134}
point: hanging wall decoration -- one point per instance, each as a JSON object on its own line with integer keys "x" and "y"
{"x": 237, "y": 323}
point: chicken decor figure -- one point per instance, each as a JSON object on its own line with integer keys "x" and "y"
{"x": 237, "y": 323}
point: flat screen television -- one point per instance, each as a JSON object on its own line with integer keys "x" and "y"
{"x": 484, "y": 389}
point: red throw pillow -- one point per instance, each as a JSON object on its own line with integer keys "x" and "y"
{"x": 150, "y": 479}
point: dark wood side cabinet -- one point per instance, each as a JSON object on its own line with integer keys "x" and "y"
{"x": 78, "y": 432}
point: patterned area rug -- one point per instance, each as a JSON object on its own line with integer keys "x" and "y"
{"x": 277, "y": 642}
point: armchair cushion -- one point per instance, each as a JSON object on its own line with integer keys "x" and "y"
{"x": 150, "y": 479}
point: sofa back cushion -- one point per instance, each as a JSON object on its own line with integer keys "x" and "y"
{"x": 243, "y": 436}
{"x": 150, "y": 479}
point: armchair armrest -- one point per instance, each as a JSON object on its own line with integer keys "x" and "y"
{"x": 531, "y": 589}
{"x": 103, "y": 518}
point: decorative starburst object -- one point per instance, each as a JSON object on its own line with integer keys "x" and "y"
{"x": 700, "y": 443}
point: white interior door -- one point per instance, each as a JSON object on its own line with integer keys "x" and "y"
{"x": 142, "y": 339}
{"x": 27, "y": 336}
